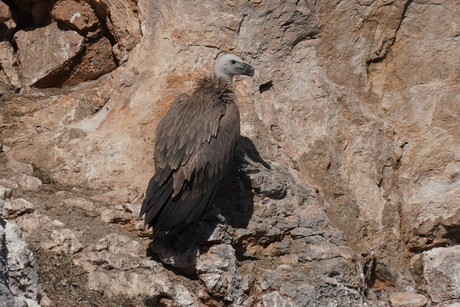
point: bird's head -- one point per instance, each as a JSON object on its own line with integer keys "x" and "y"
{"x": 230, "y": 65}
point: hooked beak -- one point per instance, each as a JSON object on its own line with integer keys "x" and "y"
{"x": 248, "y": 70}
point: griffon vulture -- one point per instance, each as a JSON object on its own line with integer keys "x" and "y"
{"x": 194, "y": 146}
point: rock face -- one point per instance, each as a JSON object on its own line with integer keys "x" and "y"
{"x": 346, "y": 187}
{"x": 8, "y": 61}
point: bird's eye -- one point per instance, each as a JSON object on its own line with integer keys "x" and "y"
{"x": 233, "y": 62}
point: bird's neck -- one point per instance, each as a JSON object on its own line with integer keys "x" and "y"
{"x": 220, "y": 74}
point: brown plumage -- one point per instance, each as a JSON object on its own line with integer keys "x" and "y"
{"x": 194, "y": 146}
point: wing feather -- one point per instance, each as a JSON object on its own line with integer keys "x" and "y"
{"x": 195, "y": 142}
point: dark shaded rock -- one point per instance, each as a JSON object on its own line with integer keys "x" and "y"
{"x": 40, "y": 13}
{"x": 96, "y": 60}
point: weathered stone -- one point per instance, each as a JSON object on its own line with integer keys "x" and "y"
{"x": 19, "y": 167}
{"x": 124, "y": 245}
{"x": 273, "y": 298}
{"x": 3, "y": 212}
{"x": 5, "y": 193}
{"x": 185, "y": 261}
{"x": 114, "y": 253}
{"x": 442, "y": 273}
{"x": 399, "y": 299}
{"x": 45, "y": 53}
{"x": 27, "y": 182}
{"x": 63, "y": 242}
{"x": 277, "y": 249}
{"x": 134, "y": 209}
{"x": 218, "y": 271}
{"x": 110, "y": 215}
{"x": 122, "y": 21}
{"x": 140, "y": 282}
{"x": 10, "y": 184}
{"x": 8, "y": 63}
{"x": 22, "y": 277}
{"x": 96, "y": 61}
{"x": 102, "y": 197}
{"x": 215, "y": 233}
{"x": 5, "y": 13}
{"x": 29, "y": 223}
{"x": 78, "y": 15}
{"x": 270, "y": 184}
{"x": 185, "y": 298}
{"x": 18, "y": 207}
{"x": 81, "y": 203}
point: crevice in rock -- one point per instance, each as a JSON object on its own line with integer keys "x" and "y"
{"x": 265, "y": 87}
{"x": 377, "y": 60}
{"x": 406, "y": 7}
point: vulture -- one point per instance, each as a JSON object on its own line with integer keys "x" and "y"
{"x": 194, "y": 147}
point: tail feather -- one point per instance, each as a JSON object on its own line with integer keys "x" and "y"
{"x": 170, "y": 215}
{"x": 156, "y": 197}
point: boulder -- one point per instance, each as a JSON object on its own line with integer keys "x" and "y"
{"x": 442, "y": 273}
{"x": 5, "y": 193}
{"x": 46, "y": 54}
{"x": 18, "y": 207}
{"x": 401, "y": 299}
{"x": 123, "y": 22}
{"x": 80, "y": 202}
{"x": 19, "y": 167}
{"x": 63, "y": 241}
{"x": 5, "y": 13}
{"x": 274, "y": 298}
{"x": 26, "y": 181}
{"x": 77, "y": 15}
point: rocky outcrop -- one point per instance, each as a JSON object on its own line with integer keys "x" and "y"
{"x": 19, "y": 281}
{"x": 9, "y": 63}
{"x": 441, "y": 272}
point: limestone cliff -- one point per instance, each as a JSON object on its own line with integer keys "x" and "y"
{"x": 349, "y": 138}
